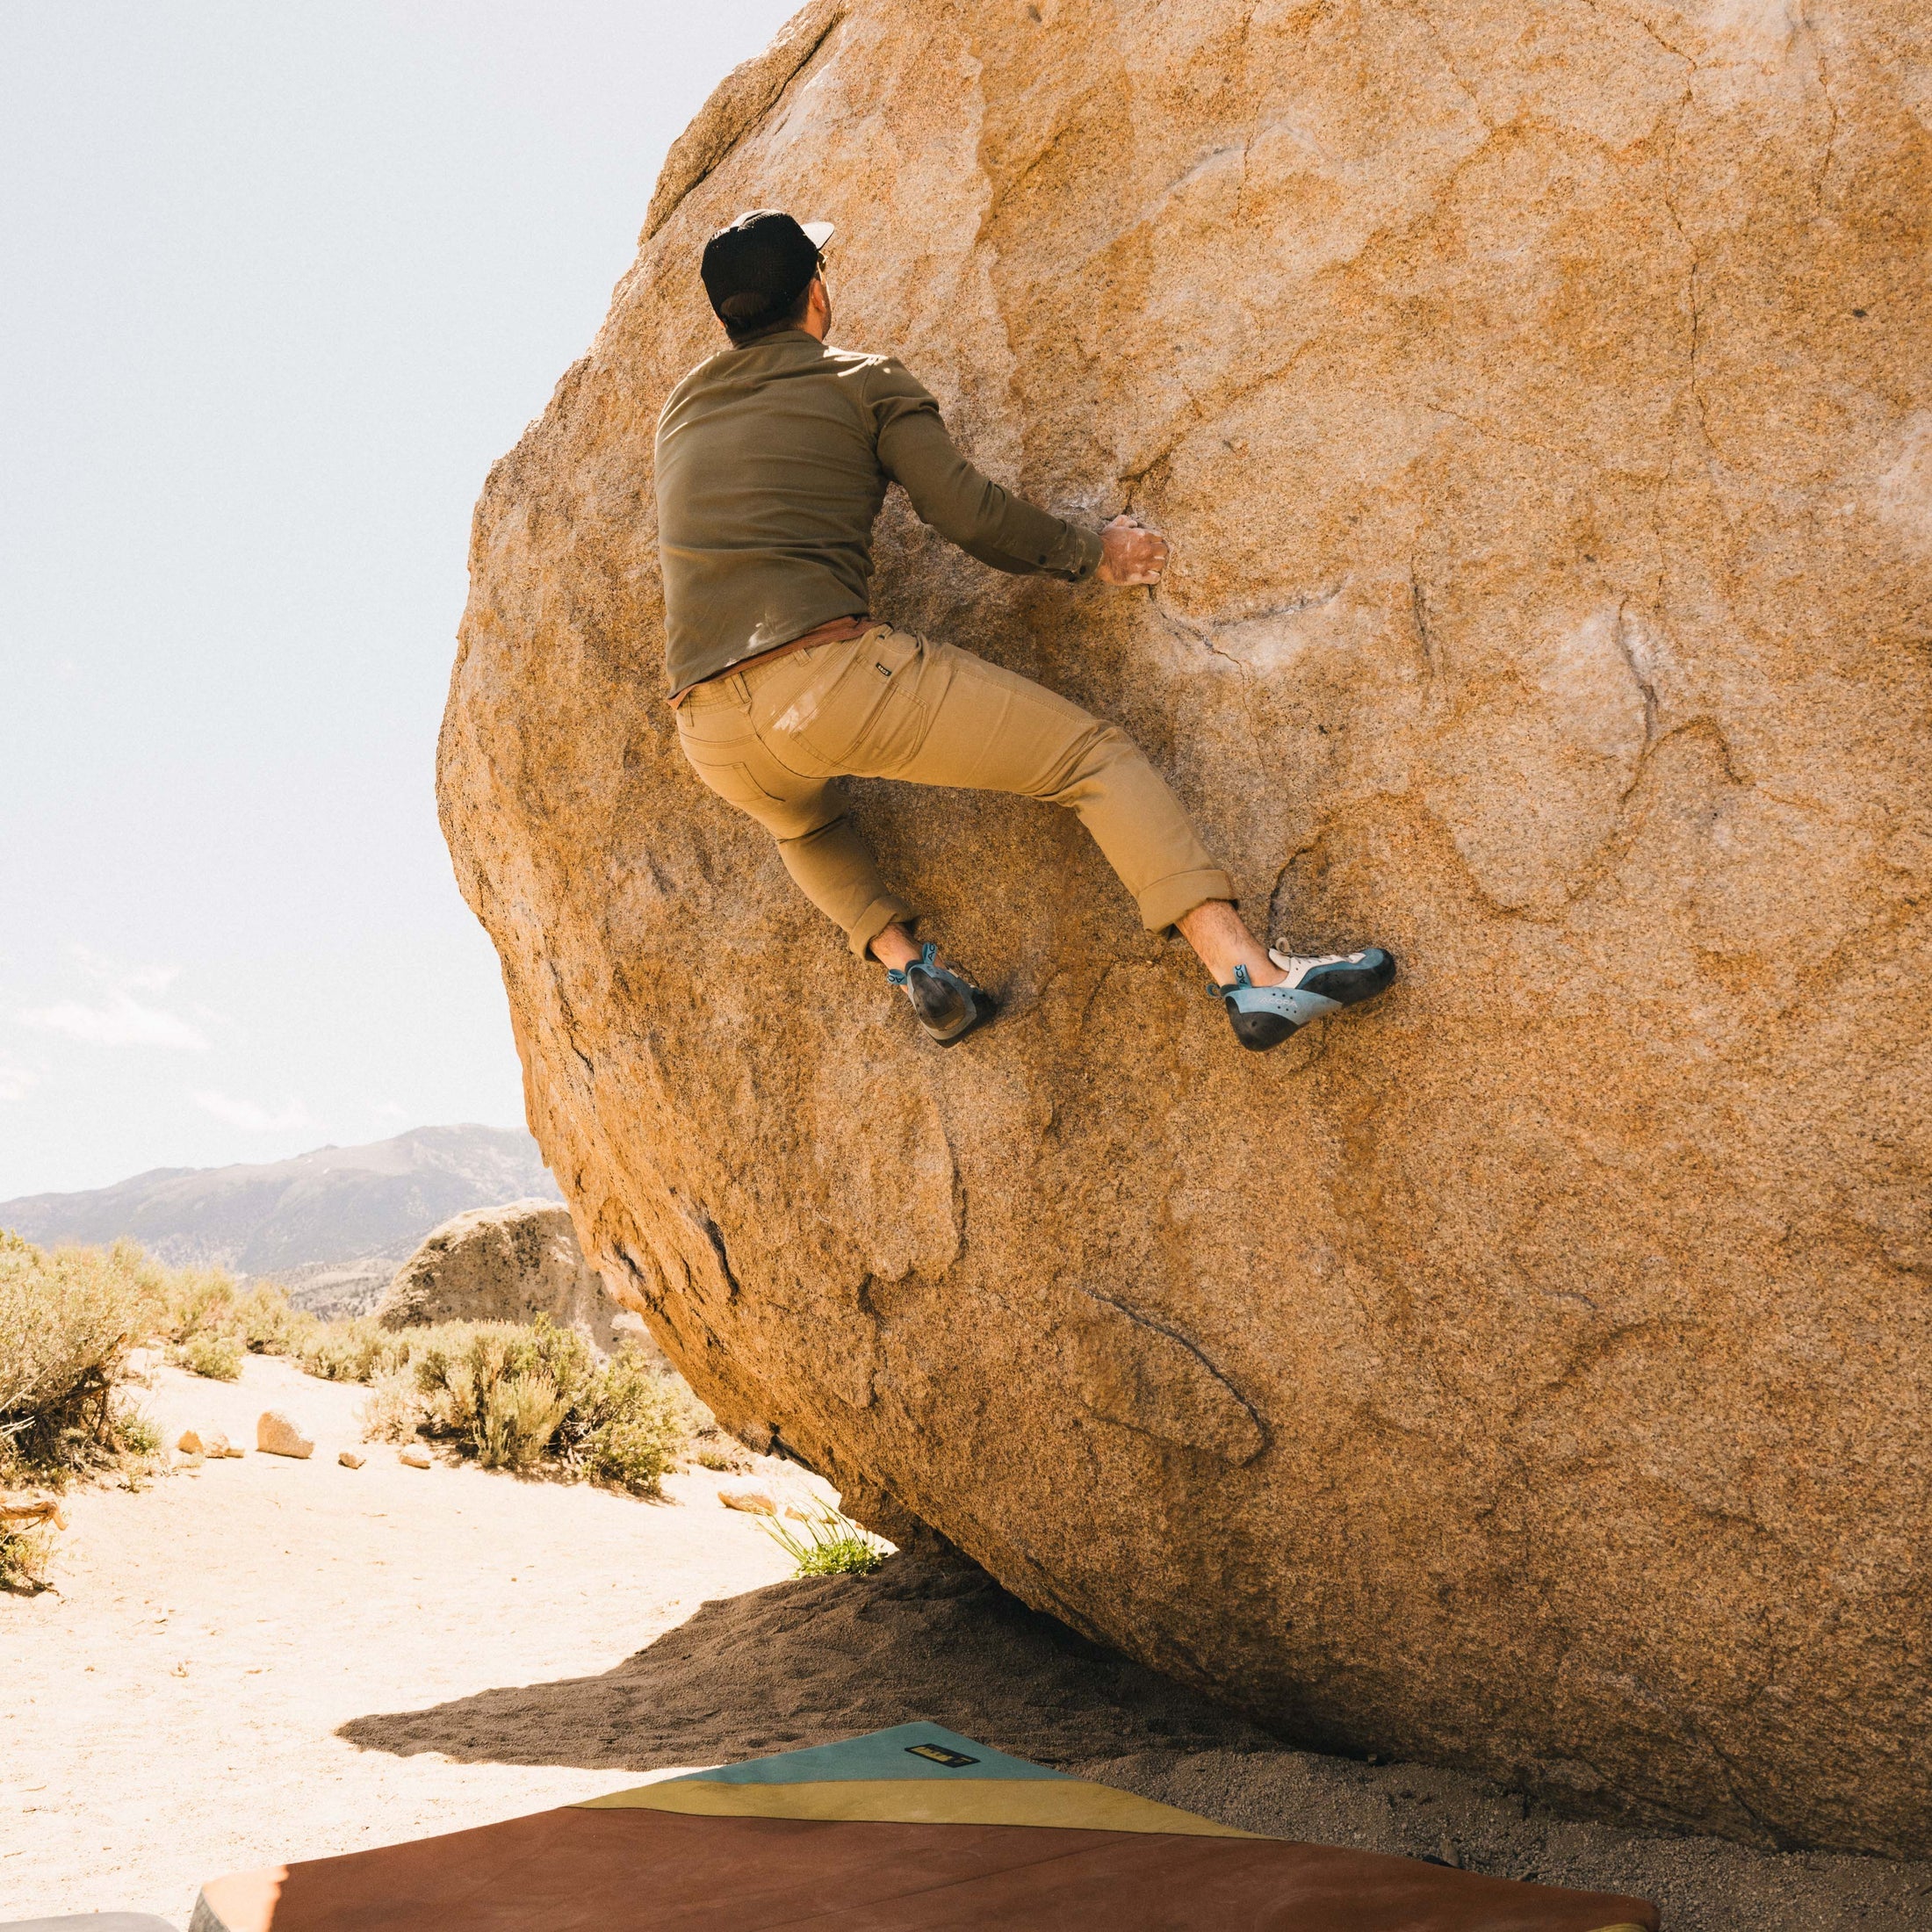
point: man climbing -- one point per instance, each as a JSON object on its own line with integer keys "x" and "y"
{"x": 773, "y": 459}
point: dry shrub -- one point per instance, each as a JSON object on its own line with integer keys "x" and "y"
{"x": 637, "y": 1419}
{"x": 392, "y": 1411}
{"x": 535, "y": 1398}
{"x": 193, "y": 1301}
{"x": 267, "y": 1325}
{"x": 359, "y": 1350}
{"x": 211, "y": 1353}
{"x": 27, "y": 1558}
{"x": 498, "y": 1391}
{"x": 210, "y": 1301}
{"x": 68, "y": 1320}
{"x": 513, "y": 1397}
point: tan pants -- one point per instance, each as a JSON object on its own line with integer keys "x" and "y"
{"x": 774, "y": 739}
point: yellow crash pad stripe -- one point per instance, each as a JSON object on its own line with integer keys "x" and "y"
{"x": 1069, "y": 1803}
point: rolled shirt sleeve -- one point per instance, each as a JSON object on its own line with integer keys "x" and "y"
{"x": 963, "y": 505}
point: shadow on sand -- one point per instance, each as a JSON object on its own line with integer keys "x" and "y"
{"x": 810, "y": 1661}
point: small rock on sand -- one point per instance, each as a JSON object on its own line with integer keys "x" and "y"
{"x": 276, "y": 1435}
{"x": 189, "y": 1443}
{"x": 349, "y": 1460}
{"x": 752, "y": 1502}
{"x": 215, "y": 1447}
{"x": 414, "y": 1458}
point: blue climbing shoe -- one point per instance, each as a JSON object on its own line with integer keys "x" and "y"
{"x": 946, "y": 1003}
{"x": 1265, "y": 1016}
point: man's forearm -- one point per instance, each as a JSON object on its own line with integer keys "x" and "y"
{"x": 969, "y": 508}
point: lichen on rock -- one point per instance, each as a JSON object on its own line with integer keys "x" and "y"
{"x": 1526, "y": 1374}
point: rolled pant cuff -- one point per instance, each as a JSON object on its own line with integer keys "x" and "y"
{"x": 875, "y": 920}
{"x": 1172, "y": 898}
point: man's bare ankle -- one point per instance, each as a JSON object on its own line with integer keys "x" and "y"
{"x": 1221, "y": 942}
{"x": 894, "y": 947}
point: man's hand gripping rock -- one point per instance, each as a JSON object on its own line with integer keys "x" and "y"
{"x": 1130, "y": 553}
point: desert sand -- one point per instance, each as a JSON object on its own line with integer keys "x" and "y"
{"x": 273, "y": 1659}
{"x": 171, "y": 1713}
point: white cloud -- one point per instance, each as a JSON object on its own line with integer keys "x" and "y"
{"x": 253, "y": 1118}
{"x": 14, "y": 1084}
{"x": 120, "y": 1020}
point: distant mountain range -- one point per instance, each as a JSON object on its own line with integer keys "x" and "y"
{"x": 331, "y": 1226}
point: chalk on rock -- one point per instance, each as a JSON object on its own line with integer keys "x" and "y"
{"x": 414, "y": 1458}
{"x": 215, "y": 1447}
{"x": 752, "y": 1502}
{"x": 276, "y": 1435}
{"x": 349, "y": 1460}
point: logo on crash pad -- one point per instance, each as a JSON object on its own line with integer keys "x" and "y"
{"x": 939, "y": 1755}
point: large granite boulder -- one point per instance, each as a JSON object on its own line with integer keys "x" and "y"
{"x": 507, "y": 1264}
{"x": 1529, "y": 1374}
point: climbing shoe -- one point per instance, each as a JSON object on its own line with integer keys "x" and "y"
{"x": 946, "y": 1003}
{"x": 1265, "y": 1016}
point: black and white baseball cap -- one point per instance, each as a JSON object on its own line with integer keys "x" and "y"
{"x": 755, "y": 269}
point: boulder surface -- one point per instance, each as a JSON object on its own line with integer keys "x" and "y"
{"x": 1529, "y": 1373}
{"x": 507, "y": 1264}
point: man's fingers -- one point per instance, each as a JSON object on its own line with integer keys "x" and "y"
{"x": 1135, "y": 554}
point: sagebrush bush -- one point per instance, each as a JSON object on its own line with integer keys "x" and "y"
{"x": 500, "y": 1391}
{"x": 68, "y": 1320}
{"x": 633, "y": 1421}
{"x": 359, "y": 1350}
{"x": 267, "y": 1325}
{"x": 212, "y": 1352}
{"x": 195, "y": 1300}
{"x": 536, "y": 1397}
{"x": 393, "y": 1410}
{"x": 511, "y": 1396}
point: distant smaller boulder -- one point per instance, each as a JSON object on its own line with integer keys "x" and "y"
{"x": 507, "y": 1264}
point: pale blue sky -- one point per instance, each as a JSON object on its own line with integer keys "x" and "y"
{"x": 276, "y": 285}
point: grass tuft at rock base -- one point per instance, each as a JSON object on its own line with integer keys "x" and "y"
{"x": 832, "y": 1546}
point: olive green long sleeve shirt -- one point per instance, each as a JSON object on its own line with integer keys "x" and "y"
{"x": 772, "y": 463}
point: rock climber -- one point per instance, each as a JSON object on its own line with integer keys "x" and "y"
{"x": 773, "y": 458}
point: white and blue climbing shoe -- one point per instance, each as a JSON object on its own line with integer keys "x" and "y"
{"x": 1265, "y": 1016}
{"x": 946, "y": 1003}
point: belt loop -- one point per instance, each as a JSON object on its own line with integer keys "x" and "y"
{"x": 740, "y": 688}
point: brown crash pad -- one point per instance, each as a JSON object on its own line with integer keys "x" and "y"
{"x": 843, "y": 1837}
